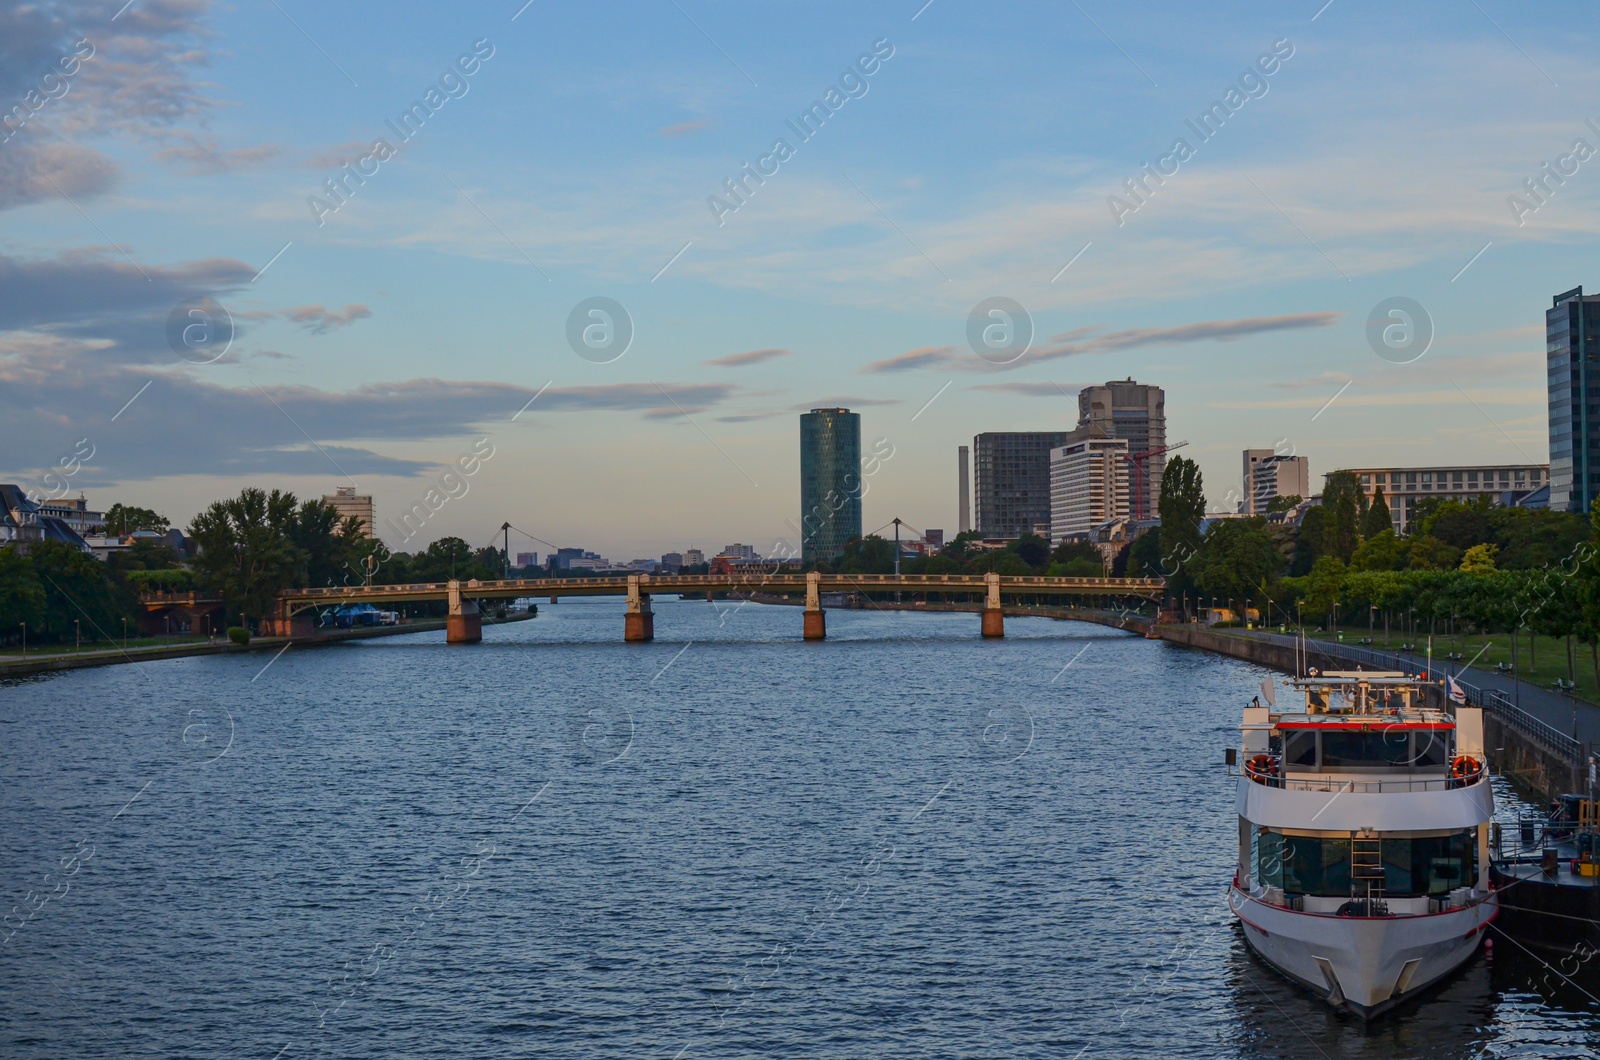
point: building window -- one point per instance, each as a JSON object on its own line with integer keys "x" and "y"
{"x": 1366, "y": 480}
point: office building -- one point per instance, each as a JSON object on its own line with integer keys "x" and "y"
{"x": 1088, "y": 485}
{"x": 830, "y": 482}
{"x": 1012, "y": 473}
{"x": 738, "y": 551}
{"x": 527, "y": 559}
{"x": 347, "y": 502}
{"x": 672, "y": 562}
{"x": 1269, "y": 474}
{"x": 1403, "y": 487}
{"x": 1572, "y": 347}
{"x": 693, "y": 557}
{"x": 933, "y": 539}
{"x": 963, "y": 491}
{"x": 1136, "y": 413}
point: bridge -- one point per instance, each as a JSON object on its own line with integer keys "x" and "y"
{"x": 464, "y": 622}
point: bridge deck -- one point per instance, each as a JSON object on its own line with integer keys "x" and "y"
{"x": 786, "y": 582}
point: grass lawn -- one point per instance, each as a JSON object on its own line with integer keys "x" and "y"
{"x": 14, "y": 651}
{"x": 1483, "y": 652}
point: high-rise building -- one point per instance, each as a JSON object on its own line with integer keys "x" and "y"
{"x": 830, "y": 482}
{"x": 1137, "y": 413}
{"x": 1269, "y": 474}
{"x": 527, "y": 559}
{"x": 1572, "y": 361}
{"x": 1252, "y": 457}
{"x": 934, "y": 539}
{"x": 347, "y": 502}
{"x": 1088, "y": 485}
{"x": 963, "y": 491}
{"x": 738, "y": 551}
{"x": 693, "y": 557}
{"x": 1012, "y": 470}
{"x": 1403, "y": 487}
{"x": 672, "y": 562}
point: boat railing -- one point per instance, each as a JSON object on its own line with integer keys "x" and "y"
{"x": 1529, "y": 839}
{"x": 1427, "y": 782}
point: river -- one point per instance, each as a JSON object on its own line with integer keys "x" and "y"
{"x": 905, "y": 841}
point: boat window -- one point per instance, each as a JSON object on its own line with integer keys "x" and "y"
{"x": 1300, "y": 749}
{"x": 1365, "y": 750}
{"x": 1429, "y": 865}
{"x": 1428, "y": 749}
{"x": 1313, "y": 865}
{"x": 1268, "y": 858}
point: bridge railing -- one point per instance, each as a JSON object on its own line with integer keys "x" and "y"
{"x": 788, "y": 579}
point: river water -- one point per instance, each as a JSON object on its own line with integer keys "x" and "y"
{"x": 905, "y": 841}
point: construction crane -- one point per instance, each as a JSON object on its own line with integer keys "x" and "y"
{"x": 1137, "y": 492}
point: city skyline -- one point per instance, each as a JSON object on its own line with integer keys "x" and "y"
{"x": 379, "y": 337}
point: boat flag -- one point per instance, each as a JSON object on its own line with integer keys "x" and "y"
{"x": 1457, "y": 693}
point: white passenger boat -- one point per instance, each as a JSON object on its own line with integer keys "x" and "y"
{"x": 1363, "y": 838}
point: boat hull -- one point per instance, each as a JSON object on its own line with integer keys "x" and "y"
{"x": 1364, "y": 965}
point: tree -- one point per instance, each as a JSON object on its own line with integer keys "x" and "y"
{"x": 959, "y": 547}
{"x": 246, "y": 552}
{"x": 1382, "y": 551}
{"x": 1530, "y": 538}
{"x": 1283, "y": 504}
{"x": 21, "y": 595}
{"x": 1459, "y": 524}
{"x": 1076, "y": 559}
{"x": 1429, "y": 553}
{"x": 1323, "y": 586}
{"x": 1378, "y": 520}
{"x": 867, "y": 555}
{"x": 1000, "y": 561}
{"x": 76, "y": 589}
{"x": 1144, "y": 555}
{"x": 1343, "y": 503}
{"x": 325, "y": 541}
{"x": 1479, "y": 559}
{"x": 1034, "y": 550}
{"x": 1237, "y": 559}
{"x": 122, "y": 520}
{"x": 1308, "y": 541}
{"x": 1183, "y": 505}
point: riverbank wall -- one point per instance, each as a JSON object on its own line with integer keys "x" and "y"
{"x": 113, "y": 656}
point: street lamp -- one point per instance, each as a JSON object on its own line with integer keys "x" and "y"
{"x": 77, "y": 636}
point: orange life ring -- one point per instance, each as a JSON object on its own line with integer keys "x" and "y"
{"x": 1463, "y": 766}
{"x": 1263, "y": 766}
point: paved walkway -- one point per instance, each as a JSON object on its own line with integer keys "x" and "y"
{"x": 1553, "y": 708}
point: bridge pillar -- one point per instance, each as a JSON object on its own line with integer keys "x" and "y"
{"x": 463, "y": 624}
{"x": 552, "y": 598}
{"x": 639, "y": 624}
{"x": 994, "y": 621}
{"x": 816, "y": 622}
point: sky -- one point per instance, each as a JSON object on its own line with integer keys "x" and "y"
{"x": 214, "y": 275}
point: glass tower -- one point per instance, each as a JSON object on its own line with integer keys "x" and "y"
{"x": 830, "y": 482}
{"x": 1572, "y": 346}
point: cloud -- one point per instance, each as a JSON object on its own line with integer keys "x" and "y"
{"x": 89, "y": 292}
{"x": 51, "y": 395}
{"x": 918, "y": 358}
{"x": 841, "y": 403}
{"x": 684, "y": 128}
{"x": 1322, "y": 379}
{"x": 38, "y": 172}
{"x": 740, "y": 360}
{"x": 320, "y": 320}
{"x": 205, "y": 157}
{"x": 1082, "y": 341}
{"x": 1044, "y": 390}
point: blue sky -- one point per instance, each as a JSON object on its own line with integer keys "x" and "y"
{"x": 432, "y": 305}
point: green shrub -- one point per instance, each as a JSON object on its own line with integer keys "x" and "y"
{"x": 239, "y": 635}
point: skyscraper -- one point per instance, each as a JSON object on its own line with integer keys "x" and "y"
{"x": 963, "y": 491}
{"x": 1088, "y": 485}
{"x": 1572, "y": 348}
{"x": 1136, "y": 412}
{"x": 1269, "y": 474}
{"x": 830, "y": 482}
{"x": 1012, "y": 470}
